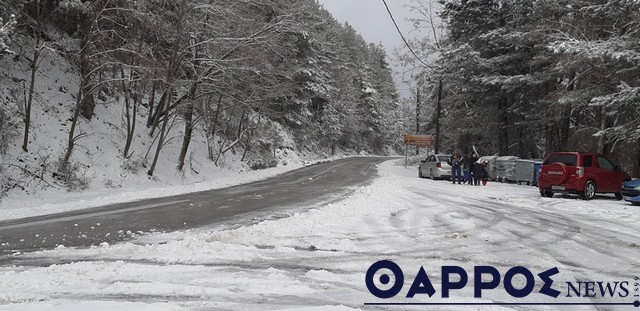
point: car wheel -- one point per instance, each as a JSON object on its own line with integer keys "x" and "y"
{"x": 431, "y": 175}
{"x": 589, "y": 191}
{"x": 420, "y": 173}
{"x": 618, "y": 196}
{"x": 546, "y": 193}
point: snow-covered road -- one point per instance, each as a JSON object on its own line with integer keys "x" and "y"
{"x": 316, "y": 259}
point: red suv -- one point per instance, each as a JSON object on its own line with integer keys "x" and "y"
{"x": 582, "y": 173}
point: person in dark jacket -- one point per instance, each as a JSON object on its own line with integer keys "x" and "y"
{"x": 468, "y": 163}
{"x": 479, "y": 172}
{"x": 456, "y": 163}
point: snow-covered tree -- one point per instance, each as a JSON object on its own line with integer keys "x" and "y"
{"x": 530, "y": 77}
{"x": 6, "y": 27}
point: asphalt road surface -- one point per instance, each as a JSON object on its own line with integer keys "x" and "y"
{"x": 119, "y": 222}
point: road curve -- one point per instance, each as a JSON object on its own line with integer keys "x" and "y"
{"x": 114, "y": 223}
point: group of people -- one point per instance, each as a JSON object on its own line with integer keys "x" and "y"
{"x": 467, "y": 169}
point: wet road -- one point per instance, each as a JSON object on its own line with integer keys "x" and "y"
{"x": 119, "y": 222}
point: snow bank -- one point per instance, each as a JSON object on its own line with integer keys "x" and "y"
{"x": 316, "y": 259}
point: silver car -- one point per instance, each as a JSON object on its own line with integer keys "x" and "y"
{"x": 435, "y": 167}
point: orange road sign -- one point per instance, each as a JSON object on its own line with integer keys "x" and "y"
{"x": 418, "y": 140}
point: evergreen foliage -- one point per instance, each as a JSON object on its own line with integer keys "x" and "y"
{"x": 531, "y": 77}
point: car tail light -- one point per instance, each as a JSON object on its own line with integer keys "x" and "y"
{"x": 580, "y": 171}
{"x": 439, "y": 165}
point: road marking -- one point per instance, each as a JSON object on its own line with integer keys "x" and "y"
{"x": 88, "y": 215}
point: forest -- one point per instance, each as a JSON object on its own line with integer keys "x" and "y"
{"x": 242, "y": 76}
{"x": 527, "y": 78}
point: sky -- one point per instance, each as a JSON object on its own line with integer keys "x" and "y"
{"x": 370, "y": 18}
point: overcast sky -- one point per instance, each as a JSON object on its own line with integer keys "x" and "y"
{"x": 370, "y": 18}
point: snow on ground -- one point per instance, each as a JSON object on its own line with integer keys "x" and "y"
{"x": 109, "y": 178}
{"x": 316, "y": 259}
{"x": 53, "y": 201}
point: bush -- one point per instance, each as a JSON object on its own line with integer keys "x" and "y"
{"x": 72, "y": 175}
{"x": 132, "y": 166}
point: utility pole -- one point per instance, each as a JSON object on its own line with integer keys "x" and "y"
{"x": 438, "y": 112}
{"x": 418, "y": 99}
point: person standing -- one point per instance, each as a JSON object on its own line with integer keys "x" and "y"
{"x": 466, "y": 168}
{"x": 479, "y": 172}
{"x": 456, "y": 162}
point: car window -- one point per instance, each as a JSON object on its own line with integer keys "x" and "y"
{"x": 605, "y": 164}
{"x": 443, "y": 158}
{"x": 567, "y": 159}
{"x": 430, "y": 159}
{"x": 587, "y": 161}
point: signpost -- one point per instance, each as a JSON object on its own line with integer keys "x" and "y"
{"x": 420, "y": 141}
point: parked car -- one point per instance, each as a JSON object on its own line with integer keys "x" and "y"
{"x": 631, "y": 191}
{"x": 435, "y": 167}
{"x": 584, "y": 174}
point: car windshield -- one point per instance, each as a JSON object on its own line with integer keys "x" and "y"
{"x": 567, "y": 159}
{"x": 443, "y": 158}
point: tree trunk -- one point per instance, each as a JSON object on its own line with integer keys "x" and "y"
{"x": 40, "y": 16}
{"x": 438, "y": 113}
{"x": 74, "y": 121}
{"x": 131, "y": 133}
{"x": 87, "y": 105}
{"x": 160, "y": 143}
{"x": 242, "y": 118}
{"x": 188, "y": 130}
{"x": 247, "y": 144}
{"x": 565, "y": 127}
{"x": 603, "y": 126}
{"x": 565, "y": 122}
{"x": 521, "y": 151}
{"x": 213, "y": 127}
{"x": 131, "y": 115}
{"x": 548, "y": 140}
{"x": 503, "y": 130}
{"x": 159, "y": 112}
{"x": 222, "y": 149}
{"x": 27, "y": 110}
{"x": 152, "y": 102}
{"x": 127, "y": 106}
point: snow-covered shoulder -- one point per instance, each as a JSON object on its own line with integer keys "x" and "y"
{"x": 316, "y": 258}
{"x": 50, "y": 201}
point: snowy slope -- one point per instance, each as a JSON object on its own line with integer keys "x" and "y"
{"x": 110, "y": 178}
{"x": 316, "y": 259}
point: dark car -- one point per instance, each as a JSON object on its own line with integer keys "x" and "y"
{"x": 584, "y": 174}
{"x": 631, "y": 191}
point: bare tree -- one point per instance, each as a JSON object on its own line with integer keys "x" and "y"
{"x": 99, "y": 46}
{"x": 40, "y": 15}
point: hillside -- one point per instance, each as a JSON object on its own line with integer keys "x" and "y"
{"x": 119, "y": 96}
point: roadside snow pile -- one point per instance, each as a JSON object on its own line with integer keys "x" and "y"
{"x": 316, "y": 259}
{"x": 48, "y": 202}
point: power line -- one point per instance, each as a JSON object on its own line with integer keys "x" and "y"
{"x": 401, "y": 35}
